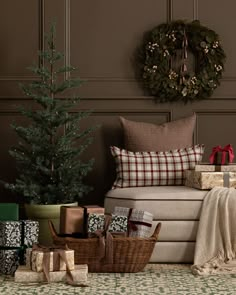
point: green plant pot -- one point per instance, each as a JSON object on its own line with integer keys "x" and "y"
{"x": 43, "y": 213}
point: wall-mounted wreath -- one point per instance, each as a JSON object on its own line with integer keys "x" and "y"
{"x": 164, "y": 44}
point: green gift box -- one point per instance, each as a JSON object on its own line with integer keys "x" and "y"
{"x": 9, "y": 211}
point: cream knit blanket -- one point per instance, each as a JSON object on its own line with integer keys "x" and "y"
{"x": 215, "y": 248}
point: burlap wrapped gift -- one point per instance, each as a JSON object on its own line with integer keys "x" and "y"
{"x": 35, "y": 258}
{"x": 25, "y": 275}
{"x": 206, "y": 167}
{"x": 208, "y": 180}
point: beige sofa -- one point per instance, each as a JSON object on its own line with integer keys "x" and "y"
{"x": 176, "y": 207}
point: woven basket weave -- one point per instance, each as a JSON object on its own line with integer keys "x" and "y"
{"x": 129, "y": 254}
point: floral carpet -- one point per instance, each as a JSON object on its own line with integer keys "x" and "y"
{"x": 154, "y": 279}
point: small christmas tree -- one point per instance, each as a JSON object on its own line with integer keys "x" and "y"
{"x": 48, "y": 153}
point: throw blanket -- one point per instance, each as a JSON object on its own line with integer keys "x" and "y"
{"x": 215, "y": 249}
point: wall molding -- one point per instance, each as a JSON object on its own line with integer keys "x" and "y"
{"x": 168, "y": 113}
{"x": 195, "y": 9}
{"x": 212, "y": 112}
{"x": 169, "y": 10}
{"x": 5, "y": 98}
{"x": 41, "y": 23}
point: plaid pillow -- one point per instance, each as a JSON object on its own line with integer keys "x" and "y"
{"x": 135, "y": 169}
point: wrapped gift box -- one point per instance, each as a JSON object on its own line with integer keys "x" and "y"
{"x": 222, "y": 155}
{"x": 118, "y": 224}
{"x": 10, "y": 233}
{"x": 9, "y": 211}
{"x": 206, "y": 167}
{"x": 71, "y": 219}
{"x": 18, "y": 233}
{"x": 208, "y": 180}
{"x": 74, "y": 219}
{"x": 95, "y": 222}
{"x": 88, "y": 210}
{"x": 139, "y": 222}
{"x": 34, "y": 260}
{"x": 25, "y": 275}
{"x": 9, "y": 261}
{"x": 30, "y": 230}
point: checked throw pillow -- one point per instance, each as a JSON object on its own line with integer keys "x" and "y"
{"x": 135, "y": 169}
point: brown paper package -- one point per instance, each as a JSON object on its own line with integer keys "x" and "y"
{"x": 73, "y": 219}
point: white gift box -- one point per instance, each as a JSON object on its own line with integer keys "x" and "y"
{"x": 139, "y": 222}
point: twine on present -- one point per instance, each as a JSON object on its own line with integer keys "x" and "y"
{"x": 183, "y": 68}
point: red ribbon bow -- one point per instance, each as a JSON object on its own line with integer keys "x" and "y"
{"x": 227, "y": 149}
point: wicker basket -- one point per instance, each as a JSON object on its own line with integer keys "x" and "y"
{"x": 129, "y": 254}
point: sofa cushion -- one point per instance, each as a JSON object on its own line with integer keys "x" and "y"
{"x": 173, "y": 252}
{"x": 138, "y": 169}
{"x": 177, "y": 230}
{"x": 141, "y": 136}
{"x": 164, "y": 202}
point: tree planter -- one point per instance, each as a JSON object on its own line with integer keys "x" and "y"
{"x": 43, "y": 213}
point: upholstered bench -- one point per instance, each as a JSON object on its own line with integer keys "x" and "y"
{"x": 176, "y": 207}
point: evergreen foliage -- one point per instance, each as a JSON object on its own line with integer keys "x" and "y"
{"x": 47, "y": 156}
{"x": 159, "y": 51}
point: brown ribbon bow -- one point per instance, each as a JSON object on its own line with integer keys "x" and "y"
{"x": 105, "y": 249}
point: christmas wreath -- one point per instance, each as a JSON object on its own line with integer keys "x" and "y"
{"x": 169, "y": 44}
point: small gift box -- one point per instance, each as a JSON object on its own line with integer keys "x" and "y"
{"x": 116, "y": 224}
{"x": 95, "y": 222}
{"x": 74, "y": 219}
{"x": 9, "y": 261}
{"x": 18, "y": 233}
{"x": 222, "y": 156}
{"x": 139, "y": 221}
{"x": 9, "y": 211}
{"x": 71, "y": 219}
{"x": 206, "y": 167}
{"x": 36, "y": 257}
{"x": 30, "y": 232}
{"x": 10, "y": 233}
{"x": 91, "y": 209}
{"x": 25, "y": 275}
{"x": 208, "y": 180}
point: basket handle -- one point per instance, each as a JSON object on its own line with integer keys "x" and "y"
{"x": 52, "y": 229}
{"x": 156, "y": 231}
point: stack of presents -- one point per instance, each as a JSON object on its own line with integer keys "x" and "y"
{"x": 220, "y": 171}
{"x": 22, "y": 256}
{"x": 15, "y": 236}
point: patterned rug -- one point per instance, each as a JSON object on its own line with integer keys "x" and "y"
{"x": 160, "y": 279}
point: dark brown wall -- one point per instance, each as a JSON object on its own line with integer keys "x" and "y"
{"x": 100, "y": 37}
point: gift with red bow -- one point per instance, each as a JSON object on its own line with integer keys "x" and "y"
{"x": 222, "y": 156}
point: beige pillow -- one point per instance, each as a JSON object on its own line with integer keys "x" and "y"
{"x": 146, "y": 137}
